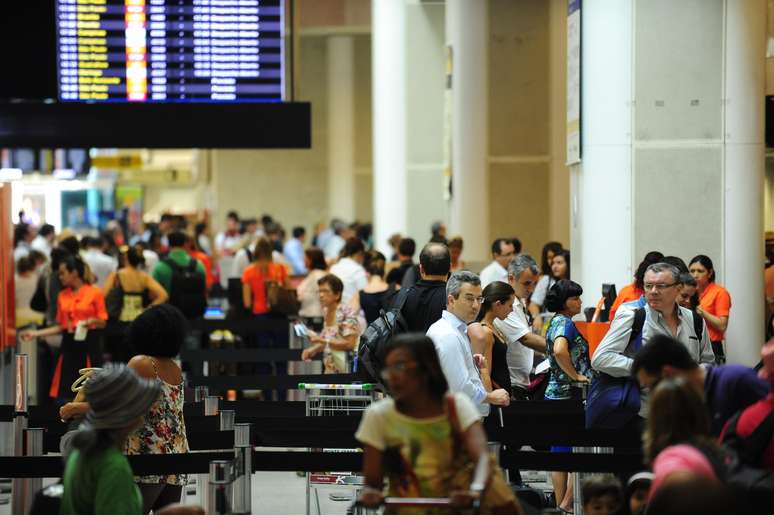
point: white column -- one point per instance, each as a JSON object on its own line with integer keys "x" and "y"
{"x": 388, "y": 45}
{"x": 341, "y": 127}
{"x": 745, "y": 57}
{"x": 601, "y": 184}
{"x": 467, "y": 31}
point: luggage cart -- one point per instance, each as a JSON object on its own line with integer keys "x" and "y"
{"x": 325, "y": 400}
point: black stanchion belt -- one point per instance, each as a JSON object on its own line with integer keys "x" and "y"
{"x": 277, "y": 461}
{"x": 267, "y": 382}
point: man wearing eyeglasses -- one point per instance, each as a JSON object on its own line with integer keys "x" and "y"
{"x": 450, "y": 337}
{"x": 663, "y": 315}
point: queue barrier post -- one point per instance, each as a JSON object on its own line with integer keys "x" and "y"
{"x": 200, "y": 393}
{"x": 33, "y": 446}
{"x": 210, "y": 410}
{"x": 211, "y": 405}
{"x": 219, "y": 488}
{"x": 20, "y": 419}
{"x": 578, "y": 477}
{"x": 243, "y": 469}
{"x": 227, "y": 417}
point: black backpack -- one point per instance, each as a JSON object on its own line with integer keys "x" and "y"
{"x": 370, "y": 351}
{"x": 188, "y": 289}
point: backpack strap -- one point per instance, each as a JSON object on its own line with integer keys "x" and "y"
{"x": 698, "y": 325}
{"x": 171, "y": 263}
{"x": 635, "y": 340}
{"x": 750, "y": 448}
{"x": 192, "y": 264}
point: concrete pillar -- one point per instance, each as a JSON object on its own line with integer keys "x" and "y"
{"x": 673, "y": 147}
{"x": 601, "y": 184}
{"x": 467, "y": 34}
{"x": 388, "y": 40}
{"x": 743, "y": 246}
{"x": 341, "y": 127}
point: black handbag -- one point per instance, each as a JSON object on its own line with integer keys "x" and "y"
{"x": 114, "y": 300}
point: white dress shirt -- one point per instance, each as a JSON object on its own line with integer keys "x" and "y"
{"x": 41, "y": 244}
{"x": 494, "y": 271}
{"x": 101, "y": 265}
{"x": 450, "y": 337}
{"x": 352, "y": 274}
{"x": 518, "y": 356}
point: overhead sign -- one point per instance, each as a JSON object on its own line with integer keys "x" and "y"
{"x": 573, "y": 81}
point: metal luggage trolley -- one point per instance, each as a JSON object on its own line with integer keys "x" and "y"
{"x": 325, "y": 400}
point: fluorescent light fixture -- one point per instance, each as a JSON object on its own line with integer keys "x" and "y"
{"x": 64, "y": 173}
{"x": 10, "y": 174}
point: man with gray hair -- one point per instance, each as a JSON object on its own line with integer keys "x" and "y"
{"x": 660, "y": 315}
{"x": 523, "y": 273}
{"x": 450, "y": 336}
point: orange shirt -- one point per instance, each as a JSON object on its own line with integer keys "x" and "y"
{"x": 253, "y": 277}
{"x": 716, "y": 301}
{"x": 628, "y": 293}
{"x": 72, "y": 307}
{"x": 205, "y": 261}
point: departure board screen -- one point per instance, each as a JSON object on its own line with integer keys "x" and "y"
{"x": 170, "y": 50}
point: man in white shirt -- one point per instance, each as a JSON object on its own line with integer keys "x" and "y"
{"x": 350, "y": 269}
{"x": 662, "y": 316}
{"x": 227, "y": 243}
{"x": 502, "y": 253}
{"x": 450, "y": 336}
{"x": 44, "y": 241}
{"x": 523, "y": 274}
{"x": 100, "y": 263}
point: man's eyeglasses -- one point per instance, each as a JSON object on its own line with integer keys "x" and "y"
{"x": 471, "y": 299}
{"x": 657, "y": 287}
{"x": 397, "y": 368}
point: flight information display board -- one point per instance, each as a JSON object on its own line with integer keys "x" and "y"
{"x": 170, "y": 50}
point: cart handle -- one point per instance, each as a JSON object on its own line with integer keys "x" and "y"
{"x": 322, "y": 386}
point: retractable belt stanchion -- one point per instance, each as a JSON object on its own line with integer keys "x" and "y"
{"x": 33, "y": 446}
{"x": 21, "y": 416}
{"x": 243, "y": 469}
{"x": 210, "y": 410}
{"x": 577, "y": 501}
{"x": 219, "y": 494}
{"x": 227, "y": 417}
{"x": 200, "y": 393}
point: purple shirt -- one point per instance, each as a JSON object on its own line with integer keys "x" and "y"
{"x": 731, "y": 388}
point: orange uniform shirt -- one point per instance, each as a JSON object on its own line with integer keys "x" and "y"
{"x": 253, "y": 276}
{"x": 628, "y": 293}
{"x": 73, "y": 307}
{"x": 716, "y": 301}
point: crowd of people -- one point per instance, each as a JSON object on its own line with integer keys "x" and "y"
{"x": 473, "y": 343}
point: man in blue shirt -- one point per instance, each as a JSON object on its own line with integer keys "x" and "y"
{"x": 726, "y": 389}
{"x": 294, "y": 251}
{"x": 450, "y": 336}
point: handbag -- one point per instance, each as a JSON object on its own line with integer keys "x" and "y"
{"x": 281, "y": 300}
{"x": 114, "y": 300}
{"x": 613, "y": 402}
{"x": 497, "y": 496}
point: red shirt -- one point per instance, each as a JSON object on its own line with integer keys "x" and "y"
{"x": 716, "y": 301}
{"x": 73, "y": 307}
{"x": 253, "y": 276}
{"x": 628, "y": 293}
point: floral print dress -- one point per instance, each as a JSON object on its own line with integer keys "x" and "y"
{"x": 163, "y": 431}
{"x": 559, "y": 383}
{"x": 337, "y": 361}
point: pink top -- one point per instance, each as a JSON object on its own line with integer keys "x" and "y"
{"x": 679, "y": 458}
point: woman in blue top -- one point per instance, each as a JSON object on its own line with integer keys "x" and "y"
{"x": 568, "y": 353}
